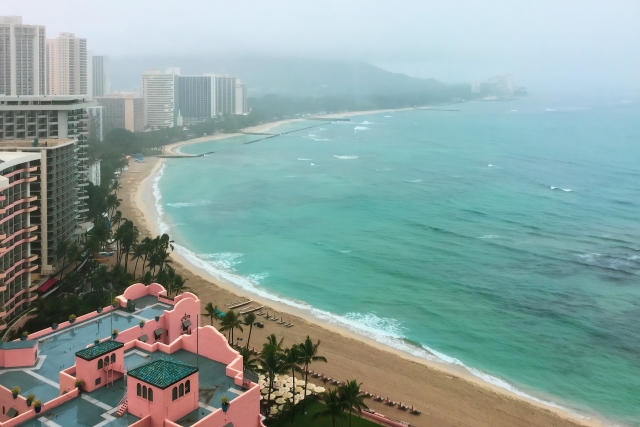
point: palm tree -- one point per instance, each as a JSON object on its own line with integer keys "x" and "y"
{"x": 178, "y": 284}
{"x": 272, "y": 342}
{"x": 116, "y": 218}
{"x": 231, "y": 322}
{"x": 309, "y": 352}
{"x": 137, "y": 252}
{"x": 271, "y": 364}
{"x": 293, "y": 359}
{"x": 115, "y": 186}
{"x": 333, "y": 406}
{"x": 74, "y": 251}
{"x": 248, "y": 362}
{"x": 112, "y": 203}
{"x": 353, "y": 398}
{"x": 212, "y": 312}
{"x": 249, "y": 319}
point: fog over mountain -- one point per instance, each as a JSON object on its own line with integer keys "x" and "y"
{"x": 584, "y": 46}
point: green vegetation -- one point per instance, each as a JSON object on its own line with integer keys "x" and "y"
{"x": 311, "y": 420}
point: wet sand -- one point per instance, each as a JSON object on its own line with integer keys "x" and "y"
{"x": 446, "y": 395}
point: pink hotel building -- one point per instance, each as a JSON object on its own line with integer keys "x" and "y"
{"x": 162, "y": 370}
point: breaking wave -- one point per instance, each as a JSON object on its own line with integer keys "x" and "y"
{"x": 345, "y": 157}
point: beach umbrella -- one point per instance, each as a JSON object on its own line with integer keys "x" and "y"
{"x": 265, "y": 391}
{"x": 278, "y": 393}
{"x": 309, "y": 392}
{"x": 274, "y": 410}
{"x": 287, "y": 395}
{"x": 299, "y": 390}
{"x": 281, "y": 407}
{"x": 319, "y": 390}
{"x": 281, "y": 401}
{"x": 261, "y": 397}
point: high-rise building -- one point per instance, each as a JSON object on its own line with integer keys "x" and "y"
{"x": 100, "y": 75}
{"x": 241, "y": 98}
{"x": 22, "y": 57}
{"x": 196, "y": 97}
{"x": 18, "y": 265}
{"x": 159, "y": 92}
{"x": 67, "y": 65}
{"x": 61, "y": 125}
{"x": 225, "y": 94}
{"x": 122, "y": 111}
{"x": 96, "y": 123}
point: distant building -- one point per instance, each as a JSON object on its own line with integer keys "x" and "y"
{"x": 241, "y": 98}
{"x": 122, "y": 111}
{"x": 159, "y": 93}
{"x": 94, "y": 172}
{"x": 225, "y": 94}
{"x": 196, "y": 97}
{"x": 498, "y": 87}
{"x": 96, "y": 123}
{"x": 22, "y": 58}
{"x": 67, "y": 65}
{"x": 101, "y": 85}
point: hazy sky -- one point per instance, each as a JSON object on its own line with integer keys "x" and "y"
{"x": 580, "y": 45}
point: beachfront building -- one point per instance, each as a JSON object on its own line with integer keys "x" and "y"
{"x": 161, "y": 369}
{"x": 122, "y": 111}
{"x": 67, "y": 65}
{"x": 241, "y": 98}
{"x": 225, "y": 94}
{"x": 100, "y": 84}
{"x": 18, "y": 267}
{"x": 159, "y": 92}
{"x": 55, "y": 128}
{"x": 96, "y": 123}
{"x": 22, "y": 57}
{"x": 94, "y": 172}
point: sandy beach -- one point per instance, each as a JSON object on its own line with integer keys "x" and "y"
{"x": 446, "y": 395}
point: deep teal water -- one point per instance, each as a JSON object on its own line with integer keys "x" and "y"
{"x": 506, "y": 241}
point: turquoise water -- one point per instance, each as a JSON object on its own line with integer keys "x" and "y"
{"x": 503, "y": 237}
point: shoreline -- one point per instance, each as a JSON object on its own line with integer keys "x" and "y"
{"x": 467, "y": 386}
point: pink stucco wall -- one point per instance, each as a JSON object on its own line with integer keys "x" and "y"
{"x": 67, "y": 324}
{"x": 17, "y": 357}
{"x": 67, "y": 379}
{"x": 27, "y": 415}
{"x": 243, "y": 411}
{"x": 87, "y": 370}
{"x": 163, "y": 406}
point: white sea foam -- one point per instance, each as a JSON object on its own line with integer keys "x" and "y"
{"x": 190, "y": 204}
{"x": 488, "y": 236}
{"x": 345, "y": 252}
{"x": 412, "y": 180}
{"x": 490, "y": 166}
{"x": 357, "y": 128}
{"x": 388, "y": 116}
{"x": 387, "y": 331}
{"x": 225, "y": 260}
{"x": 367, "y": 123}
{"x": 312, "y": 164}
{"x": 563, "y": 189}
{"x": 299, "y": 158}
{"x": 345, "y": 157}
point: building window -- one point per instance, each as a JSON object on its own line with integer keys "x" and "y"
{"x": 100, "y": 364}
{"x": 139, "y": 389}
{"x": 150, "y": 394}
{"x": 174, "y": 393}
{"x": 187, "y": 386}
{"x": 144, "y": 392}
{"x": 98, "y": 381}
{"x": 181, "y": 390}
{"x": 113, "y": 358}
{"x": 106, "y": 361}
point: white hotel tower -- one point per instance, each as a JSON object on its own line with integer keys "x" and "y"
{"x": 22, "y": 57}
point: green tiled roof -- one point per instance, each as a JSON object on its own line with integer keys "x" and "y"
{"x": 98, "y": 350}
{"x": 163, "y": 372}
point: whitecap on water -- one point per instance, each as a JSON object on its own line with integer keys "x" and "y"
{"x": 189, "y": 204}
{"x": 563, "y": 189}
{"x": 412, "y": 180}
{"x": 300, "y": 158}
{"x": 490, "y": 166}
{"x": 357, "y": 128}
{"x": 387, "y": 116}
{"x": 345, "y": 157}
{"x": 224, "y": 260}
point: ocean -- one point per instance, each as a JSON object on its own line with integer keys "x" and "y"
{"x": 502, "y": 236}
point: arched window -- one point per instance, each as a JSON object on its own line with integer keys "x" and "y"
{"x": 113, "y": 358}
{"x": 106, "y": 361}
{"x": 181, "y": 390}
{"x": 150, "y": 395}
{"x": 187, "y": 387}
{"x": 100, "y": 364}
{"x": 174, "y": 393}
{"x": 144, "y": 391}
{"x": 139, "y": 390}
